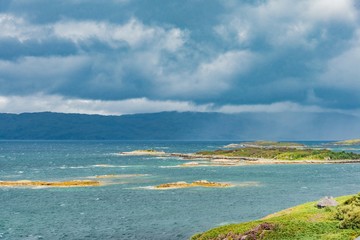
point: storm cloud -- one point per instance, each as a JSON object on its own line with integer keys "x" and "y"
{"x": 227, "y": 56}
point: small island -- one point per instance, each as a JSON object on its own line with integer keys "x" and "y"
{"x": 71, "y": 183}
{"x": 288, "y": 154}
{"x": 200, "y": 183}
{"x": 308, "y": 221}
{"x": 261, "y": 152}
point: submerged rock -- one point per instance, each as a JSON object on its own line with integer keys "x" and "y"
{"x": 327, "y": 202}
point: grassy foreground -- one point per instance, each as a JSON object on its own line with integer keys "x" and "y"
{"x": 305, "y": 222}
{"x": 284, "y": 153}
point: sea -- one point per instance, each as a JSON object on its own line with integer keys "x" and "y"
{"x": 129, "y": 208}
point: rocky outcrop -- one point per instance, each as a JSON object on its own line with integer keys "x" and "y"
{"x": 256, "y": 233}
{"x": 327, "y": 202}
{"x": 200, "y": 183}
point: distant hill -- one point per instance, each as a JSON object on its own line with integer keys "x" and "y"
{"x": 179, "y": 126}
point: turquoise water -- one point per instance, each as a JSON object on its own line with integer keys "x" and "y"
{"x": 129, "y": 210}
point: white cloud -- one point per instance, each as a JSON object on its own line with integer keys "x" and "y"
{"x": 210, "y": 77}
{"x": 285, "y": 22}
{"x": 334, "y": 10}
{"x": 132, "y": 33}
{"x": 150, "y": 46}
{"x": 55, "y": 103}
{"x": 161, "y": 62}
{"x": 342, "y": 71}
{"x": 54, "y": 74}
{"x": 271, "y": 108}
{"x": 18, "y": 28}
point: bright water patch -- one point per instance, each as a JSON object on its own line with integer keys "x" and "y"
{"x": 126, "y": 211}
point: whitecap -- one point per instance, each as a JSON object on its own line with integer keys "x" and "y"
{"x": 146, "y": 187}
{"x": 177, "y": 166}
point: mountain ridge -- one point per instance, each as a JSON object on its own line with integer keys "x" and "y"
{"x": 178, "y": 126}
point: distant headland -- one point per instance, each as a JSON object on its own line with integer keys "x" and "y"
{"x": 177, "y": 126}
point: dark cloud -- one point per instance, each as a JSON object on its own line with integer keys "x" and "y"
{"x": 248, "y": 52}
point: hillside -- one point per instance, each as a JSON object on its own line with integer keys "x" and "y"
{"x": 304, "y": 222}
{"x": 179, "y": 126}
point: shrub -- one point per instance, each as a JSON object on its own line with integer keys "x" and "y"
{"x": 349, "y": 213}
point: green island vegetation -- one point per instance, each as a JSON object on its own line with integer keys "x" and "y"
{"x": 273, "y": 144}
{"x": 305, "y": 221}
{"x": 148, "y": 150}
{"x": 348, "y": 142}
{"x": 283, "y": 153}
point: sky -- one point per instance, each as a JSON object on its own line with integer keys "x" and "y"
{"x": 138, "y": 56}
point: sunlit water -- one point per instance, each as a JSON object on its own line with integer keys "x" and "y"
{"x": 131, "y": 211}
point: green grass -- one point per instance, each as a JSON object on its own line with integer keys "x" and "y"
{"x": 301, "y": 222}
{"x": 349, "y": 213}
{"x": 284, "y": 153}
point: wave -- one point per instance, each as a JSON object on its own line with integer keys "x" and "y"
{"x": 176, "y": 166}
{"x": 98, "y": 166}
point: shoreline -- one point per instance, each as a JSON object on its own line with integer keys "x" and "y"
{"x": 192, "y": 156}
{"x": 220, "y": 160}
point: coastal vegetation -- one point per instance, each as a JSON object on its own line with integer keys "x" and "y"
{"x": 349, "y": 213}
{"x": 283, "y": 153}
{"x": 305, "y": 221}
